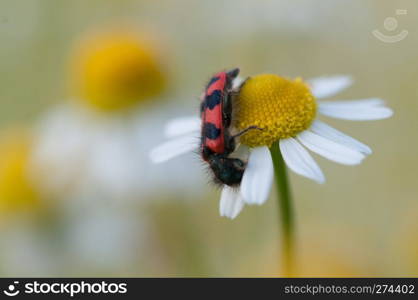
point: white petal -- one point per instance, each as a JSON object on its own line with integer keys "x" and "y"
{"x": 299, "y": 160}
{"x": 329, "y": 86}
{"x": 180, "y": 126}
{"x": 358, "y": 103}
{"x": 329, "y": 149}
{"x": 173, "y": 148}
{"x": 333, "y": 134}
{"x": 258, "y": 176}
{"x": 231, "y": 202}
{"x": 357, "y": 110}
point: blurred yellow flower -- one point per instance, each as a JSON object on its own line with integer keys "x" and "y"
{"x": 405, "y": 244}
{"x": 17, "y": 193}
{"x": 326, "y": 264}
{"x": 116, "y": 70}
{"x": 410, "y": 252}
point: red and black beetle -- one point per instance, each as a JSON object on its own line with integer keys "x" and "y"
{"x": 217, "y": 143}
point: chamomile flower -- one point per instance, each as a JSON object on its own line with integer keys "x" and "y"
{"x": 89, "y": 142}
{"x": 287, "y": 111}
{"x": 97, "y": 142}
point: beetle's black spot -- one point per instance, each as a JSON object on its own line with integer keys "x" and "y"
{"x": 213, "y": 99}
{"x": 212, "y": 81}
{"x": 211, "y": 131}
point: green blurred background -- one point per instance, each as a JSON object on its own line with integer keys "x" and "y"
{"x": 362, "y": 222}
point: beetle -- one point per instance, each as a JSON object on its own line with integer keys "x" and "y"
{"x": 217, "y": 143}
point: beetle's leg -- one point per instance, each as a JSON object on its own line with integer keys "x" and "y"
{"x": 245, "y": 131}
{"x": 202, "y": 103}
{"x": 232, "y": 95}
{"x": 227, "y": 110}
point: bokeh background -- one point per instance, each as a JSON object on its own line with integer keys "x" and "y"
{"x": 78, "y": 196}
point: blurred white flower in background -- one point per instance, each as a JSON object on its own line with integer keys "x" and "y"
{"x": 90, "y": 155}
{"x": 83, "y": 155}
{"x": 27, "y": 252}
{"x": 106, "y": 238}
{"x": 97, "y": 144}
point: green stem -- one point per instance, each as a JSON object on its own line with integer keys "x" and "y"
{"x": 286, "y": 209}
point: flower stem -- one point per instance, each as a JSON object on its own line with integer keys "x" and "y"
{"x": 286, "y": 209}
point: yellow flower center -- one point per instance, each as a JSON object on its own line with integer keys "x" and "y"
{"x": 116, "y": 70}
{"x": 17, "y": 192}
{"x": 281, "y": 107}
